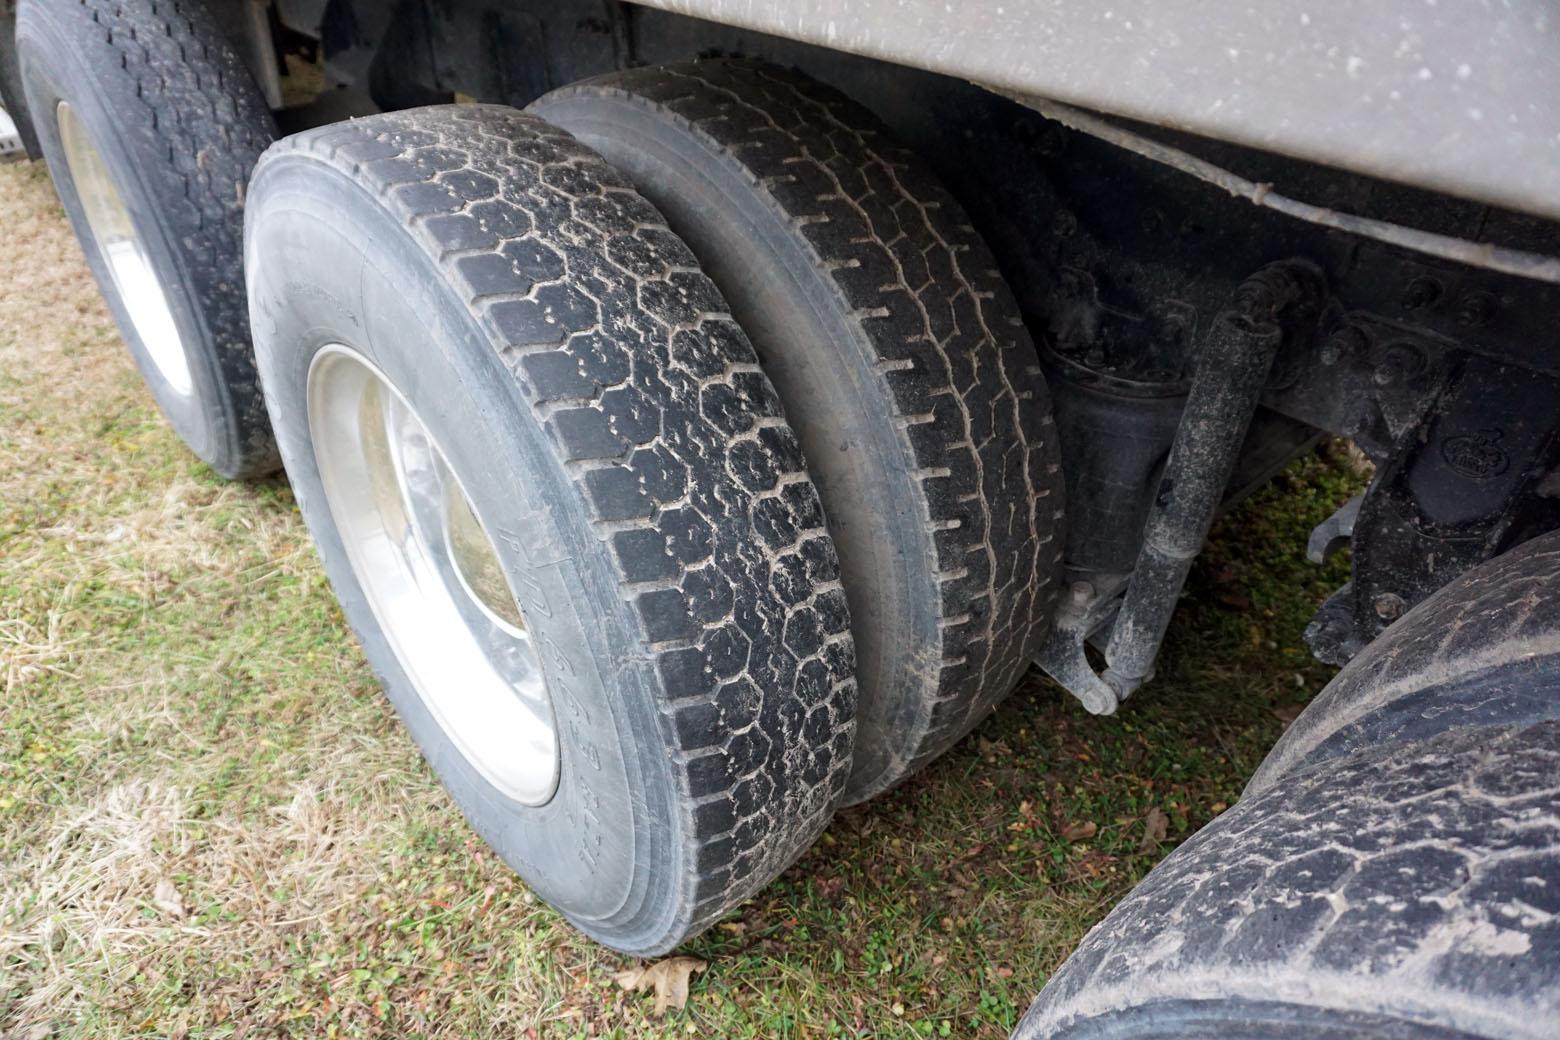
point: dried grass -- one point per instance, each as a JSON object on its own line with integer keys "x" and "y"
{"x": 119, "y": 874}
{"x": 211, "y": 825}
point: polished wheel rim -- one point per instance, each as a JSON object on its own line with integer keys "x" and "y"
{"x": 124, "y": 254}
{"x": 431, "y": 575}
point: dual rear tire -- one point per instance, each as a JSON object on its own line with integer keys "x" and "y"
{"x": 538, "y": 451}
{"x": 150, "y": 125}
{"x": 902, "y": 361}
{"x": 631, "y": 476}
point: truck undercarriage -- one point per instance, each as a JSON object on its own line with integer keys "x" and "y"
{"x": 1343, "y": 230}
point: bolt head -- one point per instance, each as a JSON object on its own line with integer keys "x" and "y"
{"x": 1421, "y": 292}
{"x": 1344, "y": 343}
{"x": 1389, "y": 606}
{"x": 1476, "y": 308}
{"x": 1402, "y": 361}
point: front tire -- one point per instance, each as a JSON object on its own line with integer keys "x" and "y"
{"x": 1389, "y": 872}
{"x": 631, "y": 484}
{"x": 1402, "y": 891}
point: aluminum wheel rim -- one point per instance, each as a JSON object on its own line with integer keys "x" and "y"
{"x": 124, "y": 254}
{"x": 431, "y": 575}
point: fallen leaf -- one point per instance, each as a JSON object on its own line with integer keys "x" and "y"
{"x": 1080, "y": 831}
{"x": 165, "y": 897}
{"x": 1155, "y": 826}
{"x": 669, "y": 979}
{"x": 1286, "y": 713}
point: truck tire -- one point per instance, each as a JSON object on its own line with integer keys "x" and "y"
{"x": 1402, "y": 891}
{"x": 1482, "y": 650}
{"x": 902, "y": 362}
{"x": 1389, "y": 871}
{"x": 537, "y": 455}
{"x": 150, "y": 125}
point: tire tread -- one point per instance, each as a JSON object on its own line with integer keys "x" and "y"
{"x": 523, "y": 222}
{"x": 957, "y": 371}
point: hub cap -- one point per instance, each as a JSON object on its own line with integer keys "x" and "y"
{"x": 431, "y": 575}
{"x": 123, "y": 254}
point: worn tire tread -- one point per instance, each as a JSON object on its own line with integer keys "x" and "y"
{"x": 198, "y": 123}
{"x": 1410, "y": 883}
{"x": 1480, "y": 632}
{"x": 694, "y": 481}
{"x": 958, "y": 374}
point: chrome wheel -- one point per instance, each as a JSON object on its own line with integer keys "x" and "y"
{"x": 431, "y": 575}
{"x": 123, "y": 253}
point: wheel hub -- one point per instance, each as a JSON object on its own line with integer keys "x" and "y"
{"x": 124, "y": 253}
{"x": 431, "y": 575}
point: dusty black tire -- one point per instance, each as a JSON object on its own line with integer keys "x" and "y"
{"x": 179, "y": 124}
{"x": 902, "y": 362}
{"x": 1474, "y": 654}
{"x": 610, "y": 422}
{"x": 1401, "y": 891}
{"x": 1390, "y": 870}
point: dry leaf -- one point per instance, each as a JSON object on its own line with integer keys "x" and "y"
{"x": 1155, "y": 826}
{"x": 1080, "y": 831}
{"x": 1286, "y": 713}
{"x": 669, "y": 979}
{"x": 166, "y": 898}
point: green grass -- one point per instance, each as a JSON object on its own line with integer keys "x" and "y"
{"x": 211, "y": 824}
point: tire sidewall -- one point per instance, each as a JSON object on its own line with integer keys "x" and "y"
{"x": 610, "y": 831}
{"x": 53, "y": 69}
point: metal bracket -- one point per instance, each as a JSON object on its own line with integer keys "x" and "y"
{"x": 1088, "y": 608}
{"x": 1333, "y": 533}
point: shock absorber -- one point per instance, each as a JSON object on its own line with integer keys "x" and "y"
{"x": 1232, "y": 367}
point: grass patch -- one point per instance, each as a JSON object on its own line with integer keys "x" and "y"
{"x": 211, "y": 824}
